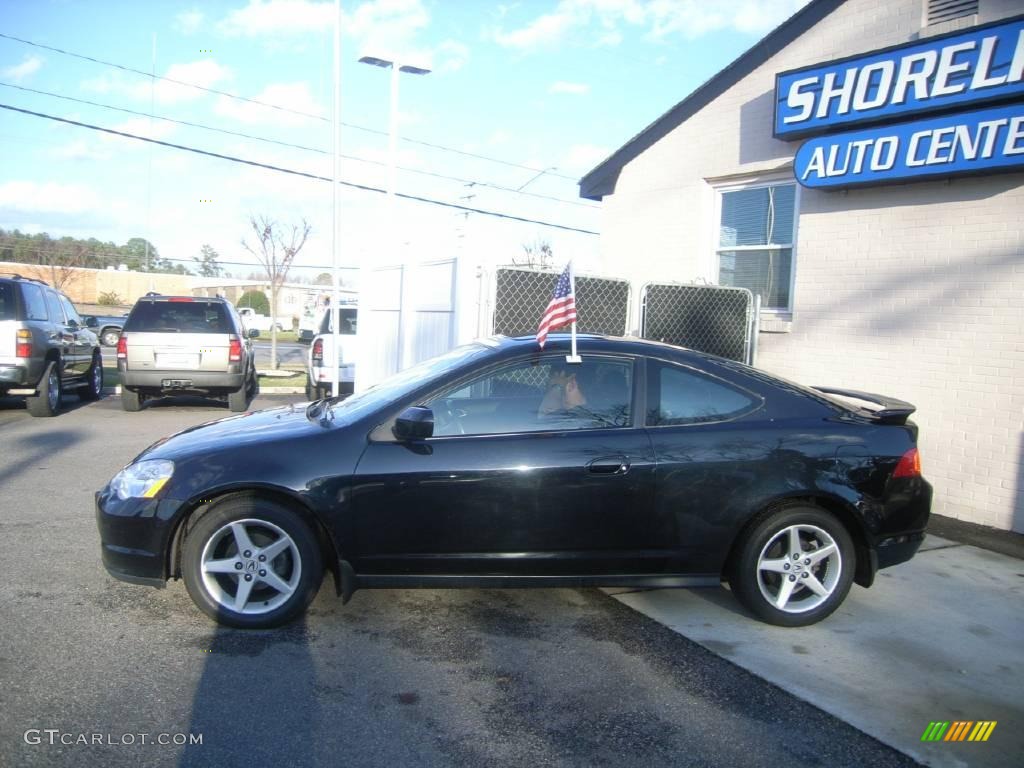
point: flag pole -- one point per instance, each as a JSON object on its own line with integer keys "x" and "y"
{"x": 573, "y": 358}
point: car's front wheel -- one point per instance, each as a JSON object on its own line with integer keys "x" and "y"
{"x": 794, "y": 567}
{"x": 251, "y": 563}
{"x": 109, "y": 337}
{"x": 93, "y": 387}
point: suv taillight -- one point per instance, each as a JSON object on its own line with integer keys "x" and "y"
{"x": 24, "y": 342}
{"x": 122, "y": 347}
{"x": 235, "y": 350}
{"x": 318, "y": 353}
{"x": 909, "y": 465}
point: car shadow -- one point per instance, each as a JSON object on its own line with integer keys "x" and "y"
{"x": 69, "y": 401}
{"x": 275, "y": 706}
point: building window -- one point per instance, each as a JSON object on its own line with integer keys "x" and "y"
{"x": 757, "y": 226}
{"x": 938, "y": 11}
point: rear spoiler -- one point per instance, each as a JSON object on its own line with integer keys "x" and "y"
{"x": 892, "y": 411}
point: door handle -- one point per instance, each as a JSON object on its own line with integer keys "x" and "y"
{"x": 609, "y": 465}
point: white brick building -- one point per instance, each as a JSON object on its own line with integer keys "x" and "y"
{"x": 914, "y": 290}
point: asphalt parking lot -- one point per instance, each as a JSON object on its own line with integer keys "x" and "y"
{"x": 398, "y": 677}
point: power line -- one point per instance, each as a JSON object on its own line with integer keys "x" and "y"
{"x": 352, "y": 184}
{"x": 290, "y": 145}
{"x": 277, "y": 107}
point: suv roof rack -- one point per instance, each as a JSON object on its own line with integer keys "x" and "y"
{"x": 17, "y": 276}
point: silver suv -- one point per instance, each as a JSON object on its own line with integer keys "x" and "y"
{"x": 185, "y": 345}
{"x": 45, "y": 347}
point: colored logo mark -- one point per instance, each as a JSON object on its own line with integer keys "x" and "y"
{"x": 959, "y": 730}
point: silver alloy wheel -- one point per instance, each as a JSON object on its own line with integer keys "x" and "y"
{"x": 110, "y": 338}
{"x": 250, "y": 566}
{"x": 97, "y": 376}
{"x": 799, "y": 568}
{"x": 53, "y": 388}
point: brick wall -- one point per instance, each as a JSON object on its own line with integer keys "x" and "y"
{"x": 915, "y": 291}
{"x": 85, "y": 285}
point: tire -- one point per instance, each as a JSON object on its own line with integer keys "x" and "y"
{"x": 130, "y": 401}
{"x": 93, "y": 389}
{"x": 296, "y": 565}
{"x": 47, "y": 402}
{"x": 765, "y": 566}
{"x": 238, "y": 400}
{"x": 109, "y": 337}
{"x": 312, "y": 391}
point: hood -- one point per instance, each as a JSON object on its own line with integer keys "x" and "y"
{"x": 244, "y": 430}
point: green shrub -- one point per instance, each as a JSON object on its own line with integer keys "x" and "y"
{"x": 257, "y": 300}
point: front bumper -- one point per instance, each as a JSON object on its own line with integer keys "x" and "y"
{"x": 135, "y": 536}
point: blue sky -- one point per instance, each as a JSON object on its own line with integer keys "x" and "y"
{"x": 553, "y": 86}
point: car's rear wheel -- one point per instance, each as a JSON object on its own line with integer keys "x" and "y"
{"x": 794, "y": 567}
{"x": 47, "y": 402}
{"x": 131, "y": 401}
{"x": 93, "y": 387}
{"x": 109, "y": 337}
{"x": 238, "y": 400}
{"x": 251, "y": 563}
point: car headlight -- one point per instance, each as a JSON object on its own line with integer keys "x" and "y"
{"x": 143, "y": 479}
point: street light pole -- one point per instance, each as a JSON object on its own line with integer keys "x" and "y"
{"x": 392, "y": 235}
{"x": 335, "y": 208}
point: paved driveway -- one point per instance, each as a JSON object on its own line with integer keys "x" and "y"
{"x": 396, "y": 677}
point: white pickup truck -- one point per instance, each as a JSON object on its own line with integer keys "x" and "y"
{"x": 322, "y": 357}
{"x": 252, "y": 319}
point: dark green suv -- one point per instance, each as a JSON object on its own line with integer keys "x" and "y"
{"x": 45, "y": 347}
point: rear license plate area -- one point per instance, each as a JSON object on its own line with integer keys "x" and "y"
{"x": 176, "y": 383}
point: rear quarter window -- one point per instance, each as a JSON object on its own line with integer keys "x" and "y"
{"x": 179, "y": 317}
{"x": 35, "y": 304}
{"x": 348, "y": 317}
{"x": 8, "y": 308}
{"x": 680, "y": 395}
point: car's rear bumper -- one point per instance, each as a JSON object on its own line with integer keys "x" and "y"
{"x": 322, "y": 375}
{"x": 14, "y": 375}
{"x": 170, "y": 380}
{"x": 135, "y": 536}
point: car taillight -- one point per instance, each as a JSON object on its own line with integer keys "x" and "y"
{"x": 235, "y": 351}
{"x": 318, "y": 352}
{"x": 122, "y": 347}
{"x": 24, "y": 345}
{"x": 909, "y": 465}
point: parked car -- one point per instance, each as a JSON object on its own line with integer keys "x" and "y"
{"x": 178, "y": 345}
{"x": 107, "y": 327}
{"x": 498, "y": 464}
{"x": 321, "y": 358}
{"x": 46, "y": 348}
{"x": 253, "y": 319}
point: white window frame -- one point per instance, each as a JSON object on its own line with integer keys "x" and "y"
{"x": 757, "y": 183}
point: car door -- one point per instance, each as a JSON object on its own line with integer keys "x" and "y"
{"x": 502, "y": 488}
{"x": 81, "y": 339}
{"x": 709, "y": 458}
{"x": 59, "y": 335}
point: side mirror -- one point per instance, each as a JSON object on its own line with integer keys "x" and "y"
{"x": 91, "y": 322}
{"x": 254, "y": 333}
{"x": 416, "y": 423}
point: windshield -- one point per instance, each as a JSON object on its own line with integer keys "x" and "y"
{"x": 402, "y": 384}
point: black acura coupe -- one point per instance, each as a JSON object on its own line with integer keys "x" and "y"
{"x": 499, "y": 464}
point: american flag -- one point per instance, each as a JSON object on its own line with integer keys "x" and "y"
{"x": 562, "y": 309}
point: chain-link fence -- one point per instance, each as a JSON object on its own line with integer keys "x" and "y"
{"x": 522, "y": 295}
{"x": 708, "y": 318}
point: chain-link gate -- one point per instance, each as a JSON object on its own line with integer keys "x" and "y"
{"x": 522, "y": 295}
{"x": 708, "y": 318}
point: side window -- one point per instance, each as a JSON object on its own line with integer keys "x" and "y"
{"x": 680, "y": 395}
{"x": 35, "y": 304}
{"x": 538, "y": 395}
{"x": 53, "y": 305}
{"x": 69, "y": 310}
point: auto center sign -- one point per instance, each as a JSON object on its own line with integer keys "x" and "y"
{"x": 921, "y": 102}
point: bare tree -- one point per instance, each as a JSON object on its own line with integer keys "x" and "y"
{"x": 538, "y": 255}
{"x": 275, "y": 247}
{"x": 60, "y": 264}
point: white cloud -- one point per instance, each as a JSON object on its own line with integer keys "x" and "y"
{"x": 583, "y": 157}
{"x": 277, "y": 17}
{"x": 293, "y": 96}
{"x": 81, "y": 149}
{"x": 19, "y": 72}
{"x": 205, "y": 73}
{"x": 188, "y": 22}
{"x": 451, "y": 56}
{"x": 48, "y": 197}
{"x": 576, "y": 89}
{"x": 599, "y": 21}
